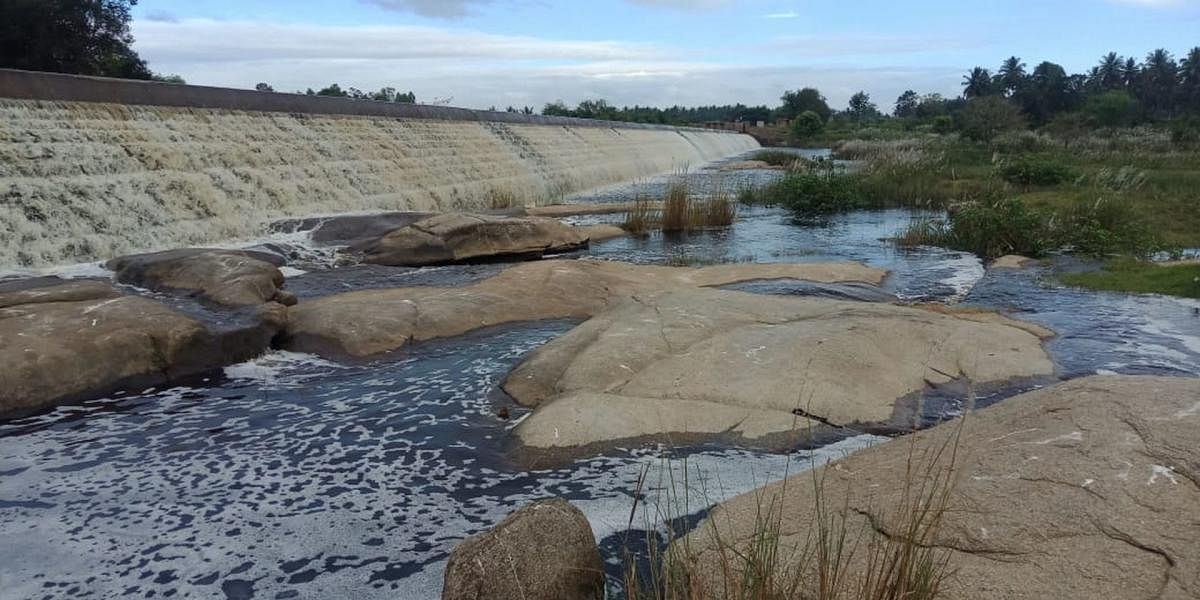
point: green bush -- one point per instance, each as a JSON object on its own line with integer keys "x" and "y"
{"x": 806, "y": 125}
{"x": 991, "y": 229}
{"x": 1105, "y": 227}
{"x": 943, "y": 124}
{"x": 809, "y": 194}
{"x": 1034, "y": 171}
{"x": 986, "y": 117}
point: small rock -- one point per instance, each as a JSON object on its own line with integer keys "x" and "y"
{"x": 458, "y": 237}
{"x": 543, "y": 551}
{"x": 229, "y": 277}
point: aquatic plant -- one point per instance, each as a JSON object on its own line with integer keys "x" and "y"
{"x": 681, "y": 210}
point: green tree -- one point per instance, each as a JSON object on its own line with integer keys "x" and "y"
{"x": 1159, "y": 83}
{"x": 85, "y": 37}
{"x": 807, "y": 99}
{"x": 1189, "y": 80}
{"x": 977, "y": 83}
{"x": 1110, "y": 73}
{"x": 168, "y": 78}
{"x": 982, "y": 119}
{"x": 333, "y": 90}
{"x": 1011, "y": 76}
{"x": 906, "y": 105}
{"x": 1048, "y": 92}
{"x": 806, "y": 125}
{"x": 861, "y": 109}
{"x": 263, "y": 87}
{"x": 1114, "y": 108}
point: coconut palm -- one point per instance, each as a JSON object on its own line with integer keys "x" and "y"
{"x": 977, "y": 83}
{"x": 1160, "y": 81}
{"x": 1130, "y": 73}
{"x": 1189, "y": 79}
{"x": 1011, "y": 76}
{"x": 1108, "y": 75}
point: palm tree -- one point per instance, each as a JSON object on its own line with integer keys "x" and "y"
{"x": 1108, "y": 74}
{"x": 977, "y": 83}
{"x": 1160, "y": 81}
{"x": 1130, "y": 73}
{"x": 1189, "y": 79}
{"x": 1011, "y": 76}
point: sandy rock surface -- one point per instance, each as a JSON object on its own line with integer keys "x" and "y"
{"x": 704, "y": 361}
{"x": 363, "y": 323}
{"x": 1087, "y": 489}
{"x": 228, "y": 277}
{"x": 77, "y": 340}
{"x": 458, "y": 237}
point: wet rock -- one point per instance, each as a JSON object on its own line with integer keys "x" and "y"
{"x": 1012, "y": 261}
{"x": 228, "y": 277}
{"x": 601, "y": 232}
{"x": 91, "y": 340}
{"x": 543, "y": 551}
{"x": 458, "y": 237}
{"x": 571, "y": 210}
{"x": 758, "y": 369}
{"x": 1087, "y": 489}
{"x": 352, "y": 229}
{"x": 367, "y": 322}
{"x": 42, "y": 290}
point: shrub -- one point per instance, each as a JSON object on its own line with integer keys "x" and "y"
{"x": 806, "y": 125}
{"x": 988, "y": 229}
{"x": 1105, "y": 226}
{"x": 943, "y": 124}
{"x": 1034, "y": 171}
{"x": 986, "y": 117}
{"x": 1116, "y": 108}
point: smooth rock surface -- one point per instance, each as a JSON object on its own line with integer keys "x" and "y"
{"x": 80, "y": 340}
{"x": 460, "y": 237}
{"x": 542, "y": 551}
{"x": 228, "y": 277}
{"x": 1087, "y": 489}
{"x": 367, "y": 322}
{"x": 724, "y": 362}
{"x": 1012, "y": 261}
{"x": 43, "y": 290}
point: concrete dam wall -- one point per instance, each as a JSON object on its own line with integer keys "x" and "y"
{"x": 93, "y": 168}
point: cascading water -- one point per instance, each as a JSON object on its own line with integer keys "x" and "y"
{"x": 86, "y": 181}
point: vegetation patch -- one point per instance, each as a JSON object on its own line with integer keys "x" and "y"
{"x": 1129, "y": 275}
{"x": 680, "y": 211}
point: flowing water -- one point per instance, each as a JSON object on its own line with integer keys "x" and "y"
{"x": 294, "y": 477}
{"x": 83, "y": 181}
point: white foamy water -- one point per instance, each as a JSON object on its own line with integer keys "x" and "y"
{"x": 92, "y": 181}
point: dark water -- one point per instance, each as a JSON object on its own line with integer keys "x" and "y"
{"x": 292, "y": 477}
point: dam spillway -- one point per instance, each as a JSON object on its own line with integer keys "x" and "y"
{"x": 93, "y": 168}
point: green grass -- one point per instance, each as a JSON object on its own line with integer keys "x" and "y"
{"x": 1126, "y": 275}
{"x": 776, "y": 158}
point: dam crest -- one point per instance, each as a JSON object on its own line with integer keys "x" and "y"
{"x": 94, "y": 168}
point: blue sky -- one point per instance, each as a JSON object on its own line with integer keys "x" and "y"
{"x": 480, "y": 53}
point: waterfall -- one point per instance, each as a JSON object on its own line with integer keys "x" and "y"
{"x": 84, "y": 181}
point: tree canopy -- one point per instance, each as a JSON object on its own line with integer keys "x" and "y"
{"x": 85, "y": 37}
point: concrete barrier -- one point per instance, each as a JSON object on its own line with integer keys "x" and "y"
{"x": 57, "y": 87}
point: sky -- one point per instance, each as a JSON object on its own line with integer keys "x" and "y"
{"x": 483, "y": 53}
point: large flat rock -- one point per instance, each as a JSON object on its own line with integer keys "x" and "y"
{"x": 68, "y": 341}
{"x": 1087, "y": 489}
{"x": 721, "y": 363}
{"x": 228, "y": 277}
{"x": 363, "y": 323}
{"x": 459, "y": 237}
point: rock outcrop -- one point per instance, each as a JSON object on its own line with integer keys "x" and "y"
{"x": 1087, "y": 489}
{"x": 1012, "y": 261}
{"x": 68, "y": 341}
{"x": 228, "y": 277}
{"x": 363, "y": 323}
{"x": 543, "y": 551}
{"x": 458, "y": 237}
{"x": 755, "y": 368}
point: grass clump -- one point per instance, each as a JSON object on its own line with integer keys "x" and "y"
{"x": 1033, "y": 171}
{"x": 1130, "y": 275}
{"x": 680, "y": 211}
{"x": 837, "y": 557}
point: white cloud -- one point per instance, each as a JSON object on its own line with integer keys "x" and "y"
{"x": 791, "y": 14}
{"x": 431, "y": 8}
{"x": 479, "y": 69}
